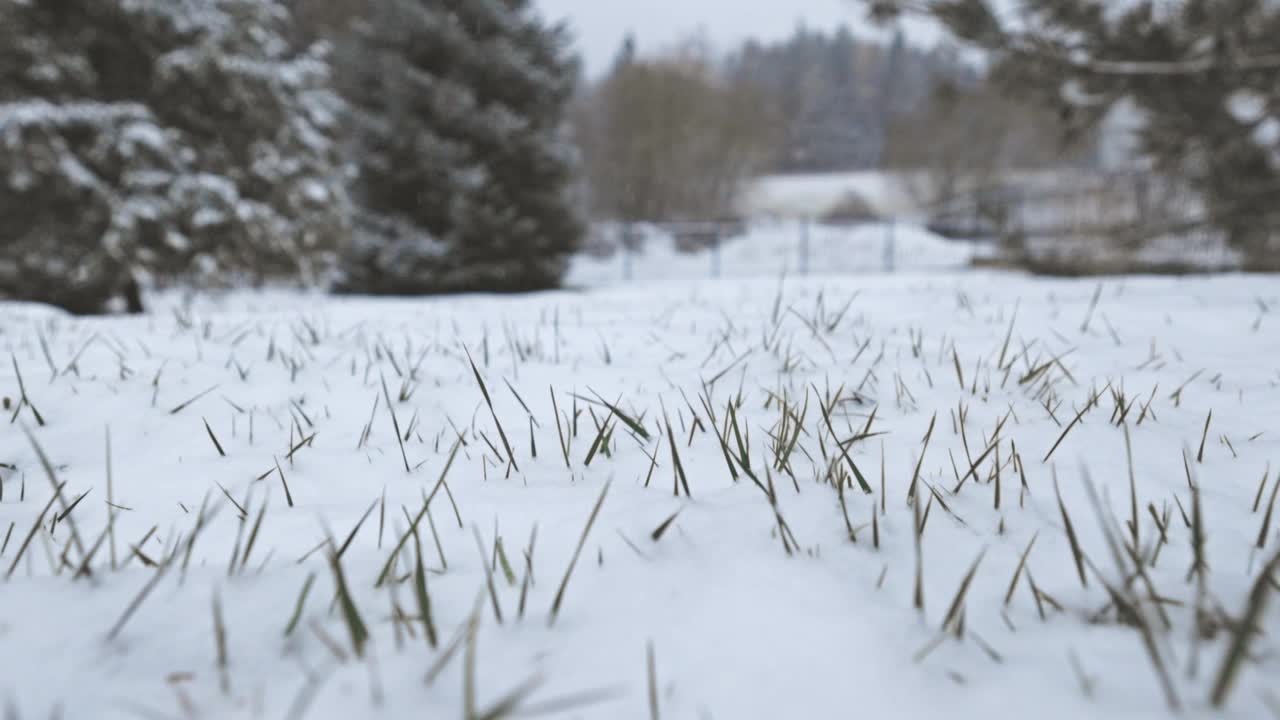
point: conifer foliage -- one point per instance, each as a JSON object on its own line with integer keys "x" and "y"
{"x": 464, "y": 166}
{"x": 173, "y": 140}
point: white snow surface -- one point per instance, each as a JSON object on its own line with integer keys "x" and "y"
{"x": 742, "y": 623}
{"x": 811, "y": 195}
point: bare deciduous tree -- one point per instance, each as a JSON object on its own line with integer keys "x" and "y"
{"x": 1201, "y": 74}
{"x": 670, "y": 139}
{"x": 958, "y": 153}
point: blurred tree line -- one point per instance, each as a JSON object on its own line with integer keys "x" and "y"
{"x": 407, "y": 146}
{"x": 672, "y": 136}
{"x": 842, "y": 94}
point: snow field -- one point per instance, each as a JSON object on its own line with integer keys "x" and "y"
{"x": 769, "y": 249}
{"x": 786, "y": 592}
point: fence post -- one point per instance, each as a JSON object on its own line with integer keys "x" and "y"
{"x": 804, "y": 246}
{"x": 715, "y": 254}
{"x": 630, "y": 238}
{"x": 890, "y": 245}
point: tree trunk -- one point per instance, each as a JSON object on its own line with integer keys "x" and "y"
{"x": 133, "y": 296}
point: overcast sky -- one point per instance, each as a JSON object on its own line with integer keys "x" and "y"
{"x": 601, "y": 25}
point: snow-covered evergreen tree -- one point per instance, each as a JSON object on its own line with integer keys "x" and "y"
{"x": 180, "y": 139}
{"x": 464, "y": 164}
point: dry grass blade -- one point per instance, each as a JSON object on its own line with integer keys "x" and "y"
{"x": 1127, "y": 602}
{"x": 23, "y": 400}
{"x": 564, "y": 444}
{"x": 520, "y": 400}
{"x": 1238, "y": 650}
{"x": 426, "y": 505}
{"x": 220, "y": 643}
{"x": 395, "y": 425}
{"x": 35, "y": 528}
{"x": 239, "y": 508}
{"x": 721, "y": 441}
{"x": 421, "y": 595}
{"x": 1265, "y": 530}
{"x": 350, "y": 615}
{"x": 1262, "y": 488}
{"x": 661, "y": 530}
{"x": 356, "y": 530}
{"x": 253, "y": 534}
{"x": 957, "y": 604}
{"x": 973, "y": 467}
{"x": 458, "y": 641}
{"x": 185, "y": 405}
{"x": 679, "y": 479}
{"x": 304, "y": 442}
{"x": 1075, "y": 421}
{"x": 560, "y": 706}
{"x": 1134, "y": 531}
{"x": 469, "y": 711}
{"x": 630, "y": 422}
{"x": 844, "y": 451}
{"x": 506, "y": 706}
{"x": 1076, "y": 553}
{"x": 1022, "y": 563}
{"x": 57, "y": 490}
{"x": 1204, "y": 437}
{"x": 87, "y": 563}
{"x": 488, "y": 576}
{"x": 582, "y": 541}
{"x": 300, "y": 605}
{"x": 138, "y": 599}
{"x": 288, "y": 496}
{"x": 214, "y": 438}
{"x": 493, "y": 413}
{"x": 652, "y": 667}
{"x": 1093, "y": 305}
{"x": 71, "y": 508}
{"x": 601, "y": 440}
{"x": 915, "y": 476}
{"x": 917, "y": 600}
{"x": 111, "y": 508}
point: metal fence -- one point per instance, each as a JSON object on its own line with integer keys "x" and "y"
{"x": 716, "y": 249}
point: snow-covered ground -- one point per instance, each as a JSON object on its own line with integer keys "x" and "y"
{"x": 174, "y": 575}
{"x": 810, "y": 195}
